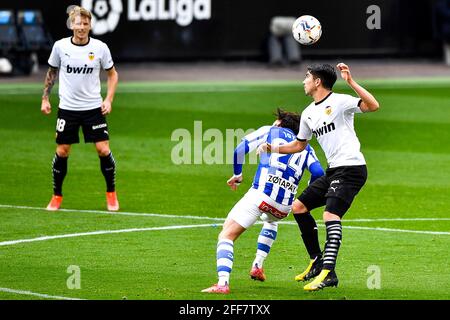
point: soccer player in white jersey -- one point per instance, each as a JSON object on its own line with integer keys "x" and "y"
{"x": 330, "y": 119}
{"x": 270, "y": 197}
{"x": 79, "y": 59}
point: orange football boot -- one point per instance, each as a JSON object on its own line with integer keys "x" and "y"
{"x": 55, "y": 203}
{"x": 111, "y": 201}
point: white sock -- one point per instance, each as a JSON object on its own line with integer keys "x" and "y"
{"x": 225, "y": 257}
{"x": 266, "y": 238}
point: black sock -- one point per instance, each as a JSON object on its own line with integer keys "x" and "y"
{"x": 59, "y": 170}
{"x": 310, "y": 235}
{"x": 108, "y": 167}
{"x": 334, "y": 237}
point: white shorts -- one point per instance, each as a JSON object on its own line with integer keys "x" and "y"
{"x": 255, "y": 204}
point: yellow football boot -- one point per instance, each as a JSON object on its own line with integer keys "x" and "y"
{"x": 313, "y": 269}
{"x": 326, "y": 278}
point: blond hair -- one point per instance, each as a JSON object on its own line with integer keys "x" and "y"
{"x": 78, "y": 11}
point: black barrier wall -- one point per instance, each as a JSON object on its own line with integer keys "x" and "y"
{"x": 225, "y": 29}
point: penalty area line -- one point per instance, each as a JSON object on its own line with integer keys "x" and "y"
{"x": 40, "y": 295}
{"x": 100, "y": 232}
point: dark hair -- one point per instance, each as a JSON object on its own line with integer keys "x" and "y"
{"x": 325, "y": 73}
{"x": 290, "y": 120}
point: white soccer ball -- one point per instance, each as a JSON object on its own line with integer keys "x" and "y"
{"x": 306, "y": 30}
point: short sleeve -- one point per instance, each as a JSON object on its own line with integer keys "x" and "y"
{"x": 352, "y": 104}
{"x": 304, "y": 132}
{"x": 257, "y": 137}
{"x": 54, "y": 60}
{"x": 107, "y": 61}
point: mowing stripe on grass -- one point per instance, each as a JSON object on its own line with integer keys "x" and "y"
{"x": 93, "y": 233}
{"x": 245, "y": 85}
{"x": 144, "y": 214}
{"x": 40, "y": 295}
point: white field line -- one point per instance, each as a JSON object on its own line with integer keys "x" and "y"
{"x": 46, "y": 296}
{"x": 399, "y": 230}
{"x": 395, "y": 219}
{"x": 40, "y": 295}
{"x": 144, "y": 214}
{"x": 100, "y": 232}
{"x": 382, "y": 229}
{"x": 93, "y": 233}
{"x": 72, "y": 235}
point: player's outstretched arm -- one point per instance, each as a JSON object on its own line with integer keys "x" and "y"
{"x": 50, "y": 79}
{"x": 292, "y": 147}
{"x": 238, "y": 160}
{"x": 248, "y": 144}
{"x": 368, "y": 103}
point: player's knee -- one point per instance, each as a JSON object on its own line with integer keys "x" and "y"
{"x": 335, "y": 209}
{"x": 63, "y": 150}
{"x": 298, "y": 207}
{"x": 103, "y": 150}
{"x": 328, "y": 216}
{"x": 224, "y": 234}
{"x": 229, "y": 233}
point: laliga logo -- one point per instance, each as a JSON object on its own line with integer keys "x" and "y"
{"x": 183, "y": 12}
{"x": 105, "y": 14}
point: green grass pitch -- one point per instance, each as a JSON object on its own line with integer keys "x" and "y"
{"x": 406, "y": 145}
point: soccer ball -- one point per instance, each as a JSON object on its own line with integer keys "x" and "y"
{"x": 306, "y": 30}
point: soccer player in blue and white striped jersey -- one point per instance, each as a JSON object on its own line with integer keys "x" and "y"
{"x": 270, "y": 197}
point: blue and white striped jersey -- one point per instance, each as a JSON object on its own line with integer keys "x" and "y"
{"x": 278, "y": 175}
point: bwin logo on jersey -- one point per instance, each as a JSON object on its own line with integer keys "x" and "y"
{"x": 105, "y": 14}
{"x": 80, "y": 70}
{"x": 325, "y": 129}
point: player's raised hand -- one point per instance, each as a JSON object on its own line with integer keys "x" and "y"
{"x": 345, "y": 71}
{"x": 234, "y": 182}
{"x": 263, "y": 148}
{"x": 46, "y": 107}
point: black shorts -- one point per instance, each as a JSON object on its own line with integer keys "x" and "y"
{"x": 336, "y": 189}
{"x": 93, "y": 123}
